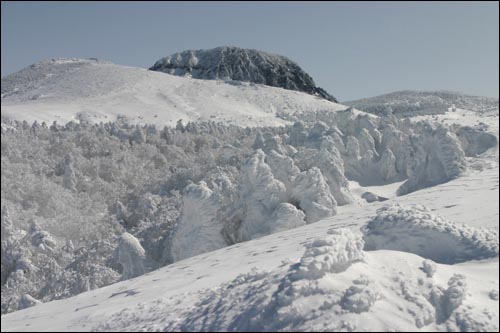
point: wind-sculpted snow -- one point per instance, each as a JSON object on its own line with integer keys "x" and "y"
{"x": 333, "y": 286}
{"x": 263, "y": 301}
{"x": 331, "y": 254}
{"x": 234, "y": 63}
{"x": 415, "y": 229}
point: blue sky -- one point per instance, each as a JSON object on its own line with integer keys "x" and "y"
{"x": 353, "y": 50}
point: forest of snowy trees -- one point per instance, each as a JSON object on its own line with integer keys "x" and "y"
{"x": 86, "y": 205}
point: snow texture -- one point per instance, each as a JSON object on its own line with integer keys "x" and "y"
{"x": 416, "y": 230}
{"x": 411, "y": 103}
{"x": 229, "y": 209}
{"x": 440, "y": 159}
{"x": 198, "y": 230}
{"x": 93, "y": 91}
{"x": 313, "y": 196}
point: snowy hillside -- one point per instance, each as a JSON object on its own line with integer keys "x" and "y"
{"x": 93, "y": 90}
{"x": 409, "y": 103}
{"x": 234, "y": 63}
{"x": 346, "y": 273}
{"x": 264, "y": 209}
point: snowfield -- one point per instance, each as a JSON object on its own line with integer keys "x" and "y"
{"x": 306, "y": 216}
{"x": 97, "y": 91}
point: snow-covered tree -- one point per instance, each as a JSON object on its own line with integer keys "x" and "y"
{"x": 131, "y": 256}
{"x": 69, "y": 178}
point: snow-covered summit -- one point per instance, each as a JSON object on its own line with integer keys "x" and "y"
{"x": 414, "y": 103}
{"x": 239, "y": 64}
{"x": 39, "y": 73}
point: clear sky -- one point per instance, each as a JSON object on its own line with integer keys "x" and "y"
{"x": 352, "y": 50}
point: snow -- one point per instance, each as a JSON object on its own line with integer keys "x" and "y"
{"x": 408, "y": 103}
{"x": 131, "y": 256}
{"x": 198, "y": 231}
{"x": 416, "y": 230}
{"x": 317, "y": 251}
{"x": 243, "y": 286}
{"x": 101, "y": 91}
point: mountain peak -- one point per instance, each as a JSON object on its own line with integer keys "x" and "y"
{"x": 239, "y": 64}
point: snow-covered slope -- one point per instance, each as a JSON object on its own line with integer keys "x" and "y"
{"x": 75, "y": 89}
{"x": 408, "y": 103}
{"x": 235, "y": 63}
{"x": 318, "y": 277}
{"x": 424, "y": 261}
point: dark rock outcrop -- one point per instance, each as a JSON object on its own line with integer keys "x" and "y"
{"x": 238, "y": 64}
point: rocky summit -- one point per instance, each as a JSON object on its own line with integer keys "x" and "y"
{"x": 238, "y": 64}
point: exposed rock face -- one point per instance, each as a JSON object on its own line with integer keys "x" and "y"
{"x": 234, "y": 63}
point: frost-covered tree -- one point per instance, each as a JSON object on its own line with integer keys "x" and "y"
{"x": 260, "y": 193}
{"x": 259, "y": 141}
{"x": 198, "y": 230}
{"x": 313, "y": 195}
{"x": 69, "y": 178}
{"x": 131, "y": 256}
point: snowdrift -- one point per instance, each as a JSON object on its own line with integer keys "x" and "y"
{"x": 416, "y": 230}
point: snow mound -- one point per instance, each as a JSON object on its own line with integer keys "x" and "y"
{"x": 332, "y": 254}
{"x": 262, "y": 301}
{"x": 360, "y": 296}
{"x": 234, "y": 63}
{"x": 416, "y": 230}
